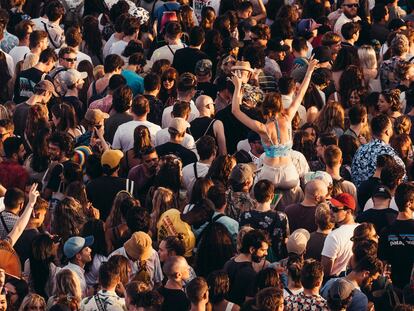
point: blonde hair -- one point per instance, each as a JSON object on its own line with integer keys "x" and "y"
{"x": 31, "y": 299}
{"x": 367, "y": 57}
{"x": 332, "y": 115}
{"x": 67, "y": 284}
{"x": 402, "y": 125}
{"x": 162, "y": 201}
{"x": 323, "y": 218}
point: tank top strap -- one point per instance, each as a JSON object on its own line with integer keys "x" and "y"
{"x": 229, "y": 306}
{"x": 277, "y": 130}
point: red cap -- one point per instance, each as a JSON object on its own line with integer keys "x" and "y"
{"x": 344, "y": 200}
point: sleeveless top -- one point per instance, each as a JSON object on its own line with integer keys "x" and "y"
{"x": 279, "y": 150}
{"x": 202, "y": 126}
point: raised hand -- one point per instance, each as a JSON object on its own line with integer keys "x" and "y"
{"x": 313, "y": 64}
{"x": 237, "y": 81}
{"x": 33, "y": 193}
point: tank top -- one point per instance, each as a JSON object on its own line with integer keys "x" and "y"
{"x": 202, "y": 126}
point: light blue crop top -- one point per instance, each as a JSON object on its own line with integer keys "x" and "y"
{"x": 279, "y": 150}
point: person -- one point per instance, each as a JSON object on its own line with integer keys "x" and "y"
{"x": 105, "y": 103}
{"x": 33, "y": 301}
{"x": 173, "y": 33}
{"x": 12, "y": 171}
{"x": 277, "y": 166}
{"x": 177, "y": 271}
{"x": 204, "y": 74}
{"x": 311, "y": 278}
{"x": 139, "y": 295}
{"x": 380, "y": 18}
{"x": 152, "y": 87}
{"x": 349, "y": 14}
{"x": 130, "y": 30}
{"x": 78, "y": 252}
{"x": 362, "y": 169}
{"x": 73, "y": 82}
{"x": 240, "y": 268}
{"x": 124, "y": 135}
{"x": 394, "y": 245}
{"x": 66, "y": 285}
{"x": 274, "y": 223}
{"x": 302, "y": 215}
{"x": 197, "y": 294}
{"x": 23, "y": 31}
{"x": 177, "y": 129}
{"x": 219, "y": 286}
{"x": 106, "y": 298}
{"x": 340, "y": 295}
{"x": 325, "y": 224}
{"x": 337, "y": 249}
{"x": 13, "y": 204}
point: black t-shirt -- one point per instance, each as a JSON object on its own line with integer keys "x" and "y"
{"x": 174, "y": 299}
{"x": 23, "y": 245}
{"x": 156, "y": 108}
{"x": 102, "y": 191}
{"x": 380, "y": 218}
{"x": 76, "y": 104}
{"x": 54, "y": 180}
{"x": 20, "y": 118}
{"x": 366, "y": 190}
{"x": 206, "y": 88}
{"x": 185, "y": 59}
{"x": 186, "y": 155}
{"x": 112, "y": 124}
{"x": 25, "y": 82}
{"x": 396, "y": 245}
{"x": 199, "y": 127}
{"x": 315, "y": 245}
{"x": 242, "y": 278}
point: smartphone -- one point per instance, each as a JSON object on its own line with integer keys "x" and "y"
{"x": 276, "y": 199}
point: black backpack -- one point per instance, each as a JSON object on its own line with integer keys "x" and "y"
{"x": 95, "y": 94}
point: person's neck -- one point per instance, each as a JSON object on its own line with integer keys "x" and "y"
{"x": 377, "y": 173}
{"x": 175, "y": 41}
{"x": 129, "y": 38}
{"x": 384, "y": 138}
{"x": 203, "y": 79}
{"x": 204, "y": 113}
{"x": 326, "y": 231}
{"x": 63, "y": 159}
{"x": 140, "y": 118}
{"x": 293, "y": 285}
{"x": 352, "y": 278}
{"x": 131, "y": 68}
{"x": 263, "y": 207}
{"x": 36, "y": 51}
{"x": 184, "y": 98}
{"x": 406, "y": 215}
{"x": 198, "y": 307}
{"x": 34, "y": 99}
{"x": 55, "y": 23}
{"x": 243, "y": 257}
{"x": 109, "y": 288}
{"x": 347, "y": 221}
{"x": 207, "y": 161}
{"x": 222, "y": 210}
{"x": 151, "y": 93}
{"x": 41, "y": 67}
{"x": 195, "y": 47}
{"x": 31, "y": 226}
{"x": 13, "y": 211}
{"x": 356, "y": 128}
{"x": 350, "y": 41}
{"x": 381, "y": 205}
{"x": 24, "y": 42}
{"x": 334, "y": 172}
{"x": 72, "y": 92}
{"x": 79, "y": 263}
{"x": 174, "y": 284}
{"x": 311, "y": 292}
{"x": 177, "y": 140}
{"x": 308, "y": 202}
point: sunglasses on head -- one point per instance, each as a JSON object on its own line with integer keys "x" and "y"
{"x": 351, "y": 5}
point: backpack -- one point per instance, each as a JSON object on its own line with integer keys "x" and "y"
{"x": 73, "y": 12}
{"x": 384, "y": 295}
{"x": 95, "y": 94}
{"x": 56, "y": 77}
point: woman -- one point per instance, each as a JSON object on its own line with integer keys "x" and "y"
{"x": 142, "y": 140}
{"x": 349, "y": 146}
{"x": 331, "y": 119}
{"x": 38, "y": 162}
{"x": 199, "y": 192}
{"x": 92, "y": 40}
{"x": 368, "y": 61}
{"x": 346, "y": 56}
{"x": 168, "y": 91}
{"x": 365, "y": 231}
{"x": 351, "y": 79}
{"x": 67, "y": 285}
{"x": 389, "y": 104}
{"x": 162, "y": 201}
{"x": 77, "y": 190}
{"x": 220, "y": 169}
{"x": 403, "y": 146}
{"x": 5, "y": 80}
{"x": 219, "y": 287}
{"x": 37, "y": 120}
{"x": 16, "y": 291}
{"x": 277, "y": 164}
{"x": 33, "y": 302}
{"x": 71, "y": 218}
{"x": 64, "y": 120}
{"x": 402, "y": 125}
{"x": 303, "y": 143}
{"x": 124, "y": 272}
{"x": 40, "y": 268}
{"x": 85, "y": 66}
{"x": 293, "y": 268}
{"x": 95, "y": 227}
{"x": 268, "y": 277}
{"x": 208, "y": 16}
{"x": 186, "y": 19}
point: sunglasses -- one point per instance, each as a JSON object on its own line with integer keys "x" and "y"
{"x": 71, "y": 60}
{"x": 169, "y": 79}
{"x": 351, "y": 5}
{"x": 335, "y": 209}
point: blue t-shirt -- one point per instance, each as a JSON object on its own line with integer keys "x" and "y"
{"x": 134, "y": 81}
{"x": 359, "y": 300}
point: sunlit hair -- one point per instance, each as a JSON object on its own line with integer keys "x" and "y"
{"x": 402, "y": 125}
{"x": 392, "y": 97}
{"x": 67, "y": 284}
{"x": 331, "y": 116}
{"x": 162, "y": 201}
{"x": 367, "y": 57}
{"x": 271, "y": 105}
{"x": 115, "y": 217}
{"x": 69, "y": 218}
{"x": 30, "y": 300}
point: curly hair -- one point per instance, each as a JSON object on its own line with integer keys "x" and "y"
{"x": 69, "y": 218}
{"x": 392, "y": 97}
{"x": 221, "y": 168}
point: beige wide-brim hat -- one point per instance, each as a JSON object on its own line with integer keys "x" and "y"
{"x": 242, "y": 65}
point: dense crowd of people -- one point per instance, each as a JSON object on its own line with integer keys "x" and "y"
{"x": 206, "y": 155}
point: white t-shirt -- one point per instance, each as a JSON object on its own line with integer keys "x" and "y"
{"x": 370, "y": 204}
{"x": 118, "y": 47}
{"x": 343, "y": 20}
{"x": 18, "y": 52}
{"x": 338, "y": 247}
{"x": 163, "y": 137}
{"x": 111, "y": 41}
{"x": 38, "y": 23}
{"x": 124, "y": 135}
{"x": 166, "y": 114}
{"x": 10, "y": 63}
{"x": 189, "y": 177}
{"x": 166, "y": 52}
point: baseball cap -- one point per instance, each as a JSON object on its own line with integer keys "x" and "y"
{"x": 277, "y": 45}
{"x": 179, "y": 124}
{"x": 139, "y": 246}
{"x": 232, "y": 43}
{"x": 242, "y": 172}
{"x": 112, "y": 157}
{"x": 297, "y": 241}
{"x": 322, "y": 53}
{"x": 341, "y": 289}
{"x": 382, "y": 192}
{"x": 307, "y": 25}
{"x": 46, "y": 85}
{"x": 95, "y": 116}
{"x": 75, "y": 244}
{"x": 396, "y": 24}
{"x": 203, "y": 67}
{"x": 71, "y": 76}
{"x": 344, "y": 200}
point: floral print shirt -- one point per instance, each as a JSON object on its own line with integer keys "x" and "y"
{"x": 302, "y": 302}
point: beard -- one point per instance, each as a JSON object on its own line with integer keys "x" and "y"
{"x": 256, "y": 258}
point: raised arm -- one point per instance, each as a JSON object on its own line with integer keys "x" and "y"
{"x": 291, "y": 110}
{"x": 254, "y": 125}
{"x": 25, "y": 216}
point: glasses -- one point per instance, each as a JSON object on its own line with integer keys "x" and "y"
{"x": 70, "y": 60}
{"x": 351, "y": 5}
{"x": 335, "y": 209}
{"x": 169, "y": 79}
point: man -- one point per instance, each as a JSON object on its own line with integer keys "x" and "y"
{"x": 73, "y": 81}
{"x": 186, "y": 89}
{"x": 333, "y": 42}
{"x": 12, "y": 171}
{"x": 186, "y": 59}
{"x": 323, "y": 141}
{"x": 73, "y": 39}
{"x": 324, "y": 55}
{"x": 23, "y": 31}
{"x": 207, "y": 151}
{"x": 13, "y": 203}
{"x": 152, "y": 87}
{"x": 337, "y": 249}
{"x": 77, "y": 250}
{"x": 311, "y": 277}
{"x": 308, "y": 29}
{"x": 240, "y": 269}
{"x": 350, "y": 34}
{"x": 102, "y": 190}
{"x": 130, "y": 72}
{"x": 380, "y": 17}
{"x": 27, "y": 79}
{"x": 94, "y": 121}
{"x": 172, "y": 37}
{"x": 60, "y": 148}
{"x": 256, "y": 148}
{"x": 138, "y": 250}
{"x": 205, "y": 124}
{"x": 349, "y": 14}
{"x": 276, "y": 52}
{"x": 302, "y": 215}
{"x": 197, "y": 292}
{"x": 363, "y": 164}
{"x": 124, "y": 135}
{"x": 38, "y": 42}
{"x": 225, "y": 91}
{"x": 139, "y": 296}
{"x": 204, "y": 74}
{"x": 396, "y": 241}
{"x": 54, "y": 12}
{"x": 177, "y": 129}
{"x": 67, "y": 60}
{"x": 358, "y": 119}
{"x": 106, "y": 297}
{"x": 121, "y": 104}
{"x": 130, "y": 29}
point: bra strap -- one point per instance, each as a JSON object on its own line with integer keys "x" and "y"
{"x": 277, "y": 131}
